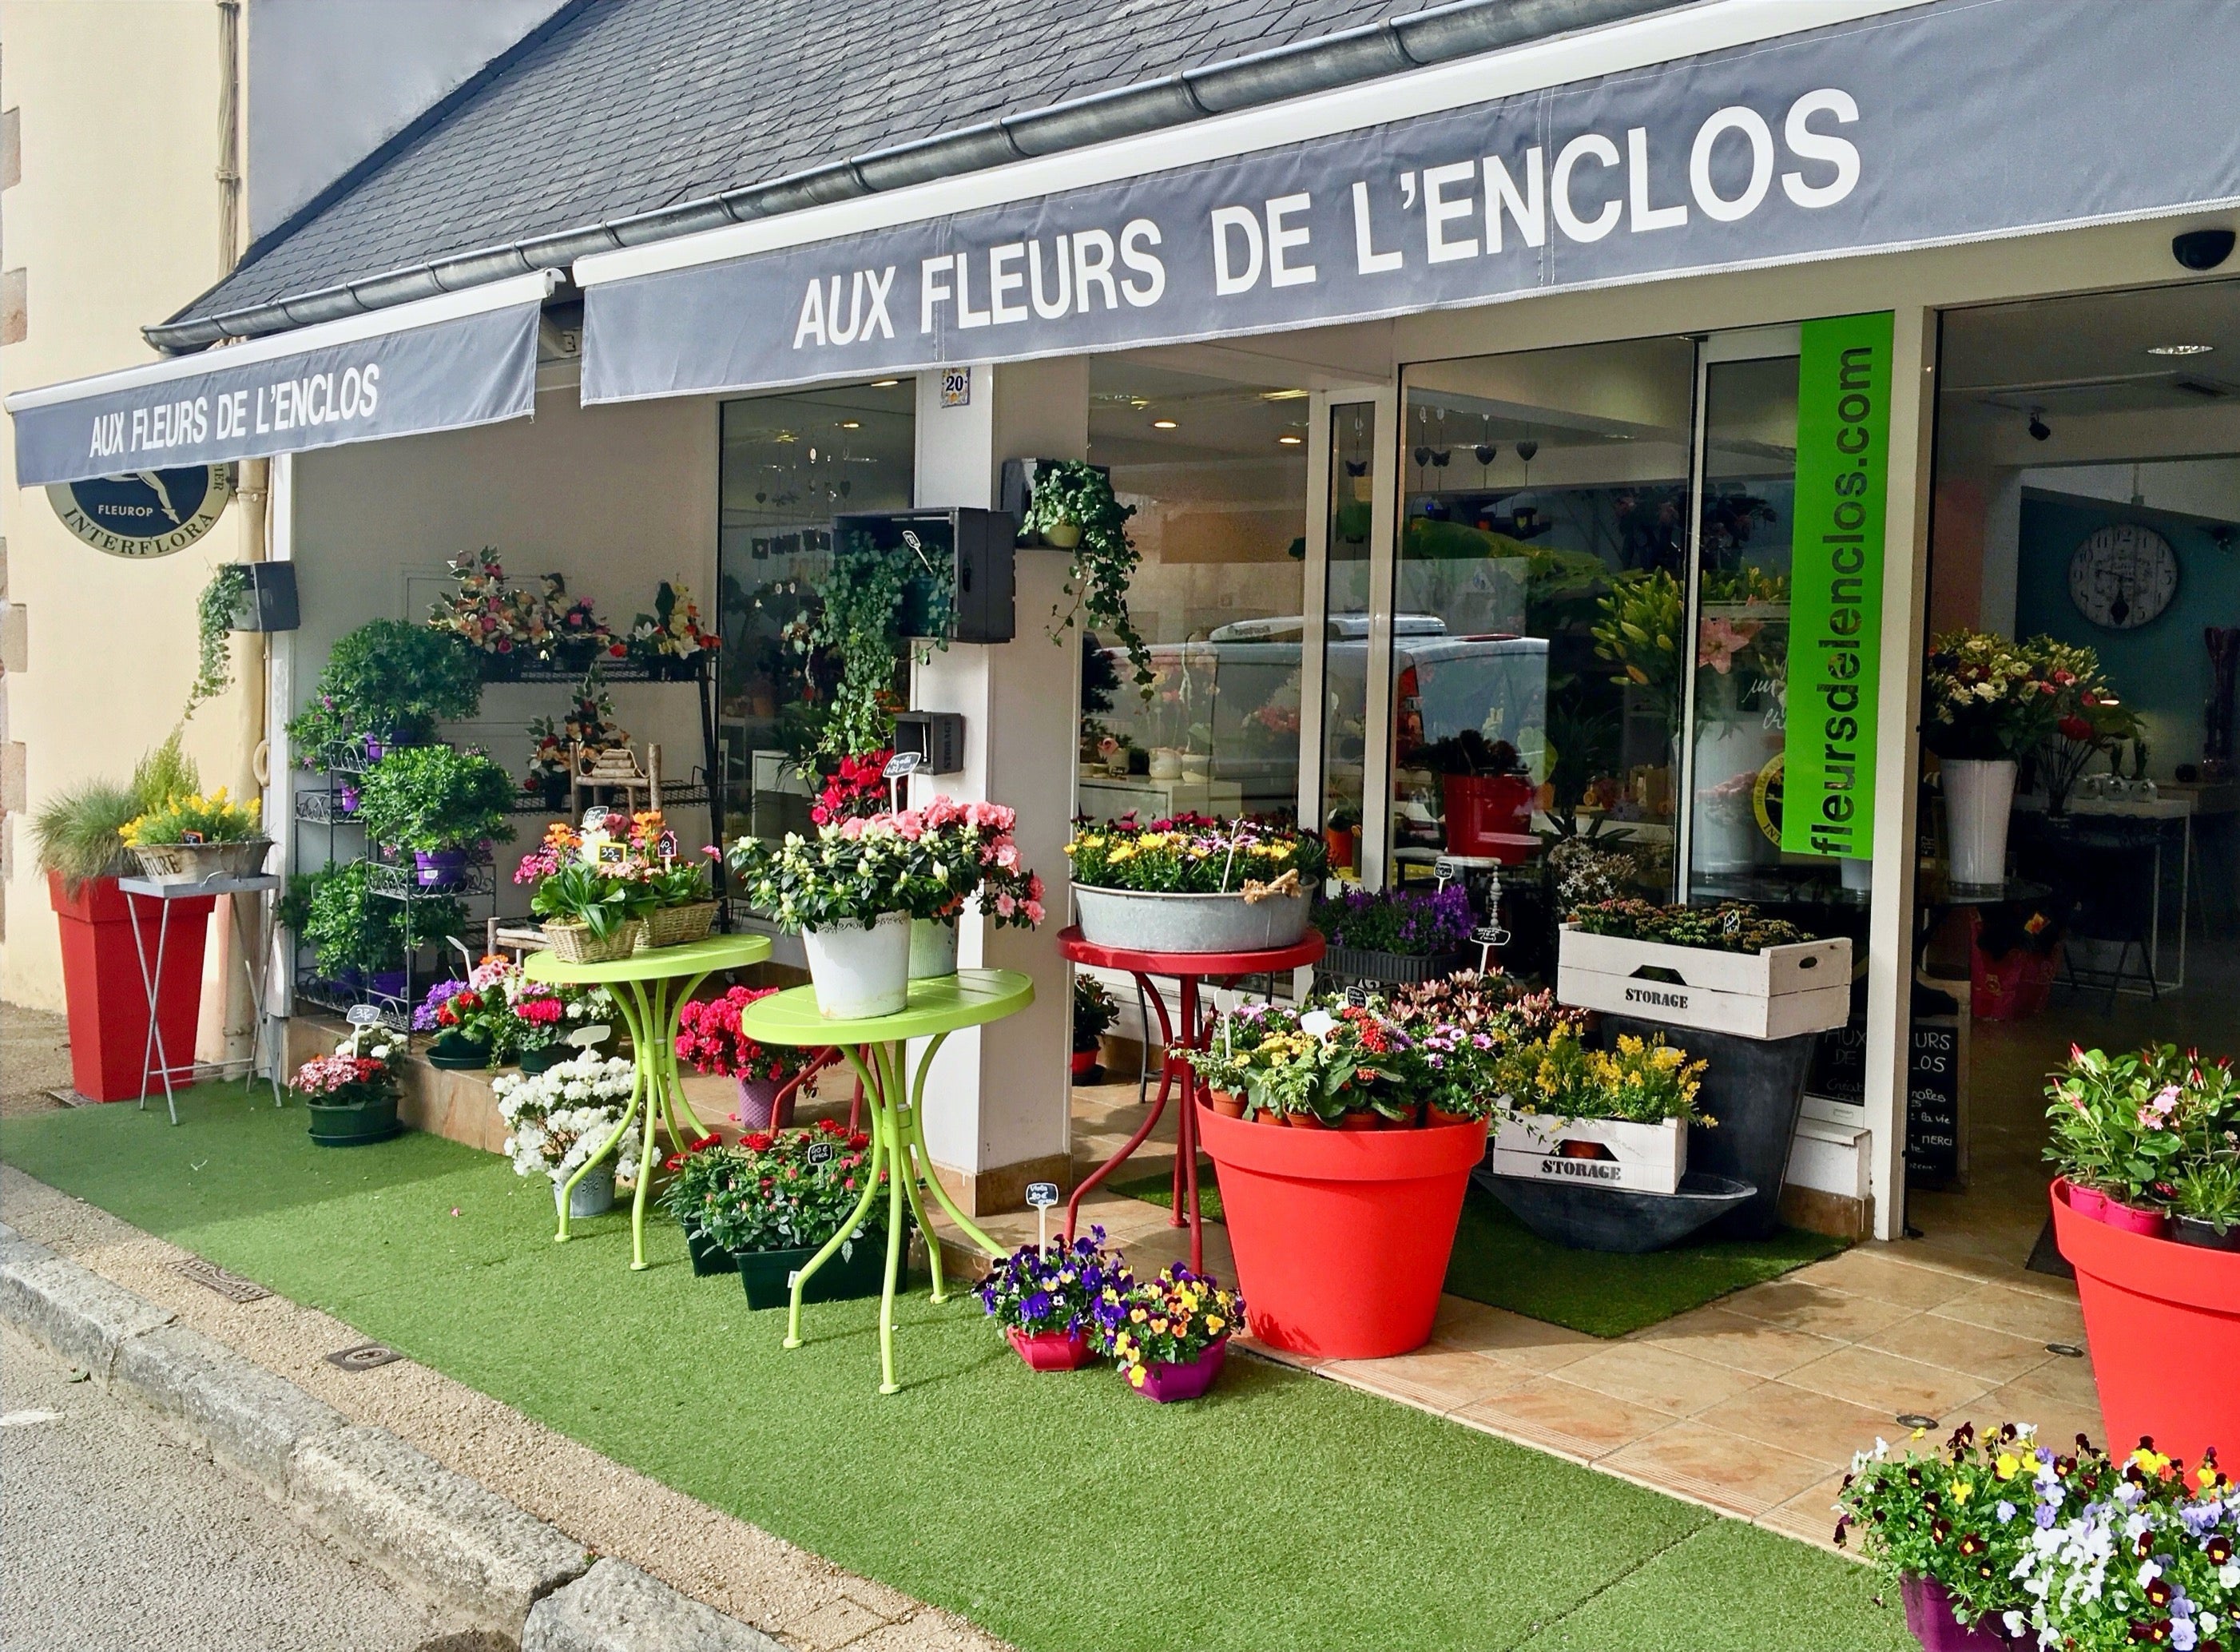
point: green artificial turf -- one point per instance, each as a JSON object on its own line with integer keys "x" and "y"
{"x": 1500, "y": 1261}
{"x": 1059, "y": 1511}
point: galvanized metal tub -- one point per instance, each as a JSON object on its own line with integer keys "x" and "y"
{"x": 1149, "y": 923}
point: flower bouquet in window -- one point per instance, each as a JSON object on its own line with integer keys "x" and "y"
{"x": 1047, "y": 1300}
{"x": 1170, "y": 1335}
{"x": 709, "y": 1040}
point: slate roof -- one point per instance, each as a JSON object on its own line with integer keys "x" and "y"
{"x": 618, "y": 107}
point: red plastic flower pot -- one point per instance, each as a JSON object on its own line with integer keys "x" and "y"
{"x": 1929, "y": 1614}
{"x": 1085, "y": 1063}
{"x": 1489, "y": 814}
{"x": 1342, "y": 1236}
{"x": 102, "y": 984}
{"x": 2163, "y": 1320}
{"x": 1167, "y": 1382}
{"x": 1051, "y": 1350}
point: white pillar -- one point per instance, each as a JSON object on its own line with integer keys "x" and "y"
{"x": 997, "y": 1114}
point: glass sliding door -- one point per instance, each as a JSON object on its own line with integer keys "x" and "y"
{"x": 1352, "y": 507}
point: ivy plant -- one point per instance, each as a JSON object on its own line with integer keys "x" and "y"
{"x": 214, "y": 611}
{"x": 1073, "y": 492}
{"x": 862, "y": 594}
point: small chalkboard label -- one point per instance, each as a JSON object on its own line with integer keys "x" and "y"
{"x": 820, "y": 1152}
{"x": 1042, "y": 1195}
{"x": 1491, "y": 934}
{"x": 1357, "y": 996}
{"x": 1444, "y": 870}
{"x": 903, "y": 763}
{"x": 362, "y": 1016}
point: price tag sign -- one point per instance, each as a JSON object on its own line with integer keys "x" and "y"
{"x": 595, "y": 819}
{"x": 589, "y": 1038}
{"x": 362, "y": 1016}
{"x": 1042, "y": 1195}
{"x": 903, "y": 764}
{"x": 1357, "y": 996}
{"x": 820, "y": 1152}
{"x": 917, "y": 546}
{"x": 1445, "y": 870}
{"x": 1491, "y": 934}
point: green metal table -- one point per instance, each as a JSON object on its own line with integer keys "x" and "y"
{"x": 650, "y": 988}
{"x": 875, "y": 1047}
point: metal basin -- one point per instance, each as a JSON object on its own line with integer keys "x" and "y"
{"x": 1188, "y": 923}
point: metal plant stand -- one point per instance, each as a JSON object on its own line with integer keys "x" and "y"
{"x": 155, "y": 1062}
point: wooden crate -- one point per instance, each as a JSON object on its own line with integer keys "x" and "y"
{"x": 1777, "y": 992}
{"x": 1601, "y": 1152}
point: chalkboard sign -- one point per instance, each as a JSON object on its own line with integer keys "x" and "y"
{"x": 1932, "y": 1102}
{"x": 820, "y": 1152}
{"x": 1042, "y": 1195}
{"x": 1839, "y": 1065}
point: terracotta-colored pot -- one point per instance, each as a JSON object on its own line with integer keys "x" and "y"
{"x": 1437, "y": 1117}
{"x": 1363, "y": 1120}
{"x": 1166, "y": 1383}
{"x": 1227, "y": 1105}
{"x": 1265, "y": 1116}
{"x": 1085, "y": 1063}
{"x": 1051, "y": 1350}
{"x": 1306, "y": 1121}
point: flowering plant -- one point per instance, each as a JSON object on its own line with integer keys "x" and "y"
{"x": 601, "y": 880}
{"x": 1331, "y": 1062}
{"x": 1731, "y": 926}
{"x": 1639, "y": 1081}
{"x": 1054, "y": 1292}
{"x": 358, "y": 1072}
{"x": 857, "y": 789}
{"x": 1412, "y": 922}
{"x": 559, "y": 1118}
{"x": 791, "y": 1189}
{"x": 957, "y": 851}
{"x": 1193, "y": 854}
{"x": 848, "y": 874}
{"x": 2132, "y": 1126}
{"x": 498, "y": 1006}
{"x": 673, "y": 631}
{"x": 191, "y": 817}
{"x": 1172, "y": 1320}
{"x": 708, "y": 1037}
{"x": 588, "y": 723}
{"x": 1987, "y": 697}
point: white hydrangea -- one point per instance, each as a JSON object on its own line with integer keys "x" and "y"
{"x": 559, "y": 1117}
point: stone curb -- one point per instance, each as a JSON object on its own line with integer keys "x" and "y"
{"x": 440, "y": 1531}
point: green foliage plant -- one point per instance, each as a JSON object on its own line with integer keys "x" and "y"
{"x": 349, "y": 927}
{"x": 214, "y": 612}
{"x": 1731, "y": 926}
{"x": 862, "y": 597}
{"x": 434, "y": 797}
{"x": 390, "y": 680}
{"x": 1073, "y": 492}
{"x": 1640, "y": 635}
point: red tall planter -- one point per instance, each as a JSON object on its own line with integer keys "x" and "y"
{"x": 1342, "y": 1236}
{"x": 2164, "y": 1323}
{"x": 101, "y": 980}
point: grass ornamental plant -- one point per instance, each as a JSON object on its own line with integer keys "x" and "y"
{"x": 1638, "y": 1081}
{"x": 1056, "y": 1291}
{"x": 390, "y": 682}
{"x": 1731, "y": 926}
{"x": 80, "y": 832}
{"x": 559, "y": 1118}
{"x": 1408, "y": 923}
{"x": 2139, "y": 1128}
{"x": 1193, "y": 854}
{"x": 1172, "y": 1320}
{"x": 427, "y": 798}
{"x": 791, "y": 1190}
{"x": 709, "y": 1039}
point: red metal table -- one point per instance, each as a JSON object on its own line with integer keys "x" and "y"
{"x": 1189, "y": 969}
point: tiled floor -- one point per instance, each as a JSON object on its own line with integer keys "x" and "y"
{"x": 1753, "y": 1405}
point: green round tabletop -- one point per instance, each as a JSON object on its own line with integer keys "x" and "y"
{"x": 656, "y": 963}
{"x": 939, "y": 1005}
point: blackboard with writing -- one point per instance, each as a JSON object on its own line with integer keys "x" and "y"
{"x": 1932, "y": 1102}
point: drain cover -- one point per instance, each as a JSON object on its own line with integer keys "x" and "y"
{"x": 2067, "y": 1350}
{"x": 363, "y": 1357}
{"x": 1915, "y": 1420}
{"x": 230, "y": 1286}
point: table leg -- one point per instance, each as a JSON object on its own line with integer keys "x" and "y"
{"x": 1096, "y": 1177}
{"x": 882, "y": 1135}
{"x": 904, "y": 1172}
{"x": 1186, "y": 1131}
{"x": 670, "y": 997}
{"x": 641, "y": 1096}
{"x": 154, "y": 1047}
{"x": 919, "y": 1165}
{"x": 916, "y": 1141}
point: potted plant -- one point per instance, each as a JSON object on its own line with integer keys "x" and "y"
{"x": 680, "y": 899}
{"x": 439, "y": 804}
{"x": 359, "y": 939}
{"x": 1394, "y": 936}
{"x": 1986, "y": 702}
{"x": 1071, "y": 507}
{"x": 1342, "y": 838}
{"x": 959, "y": 853}
{"x": 1615, "y": 1118}
{"x": 1341, "y": 1236}
{"x": 1093, "y": 1014}
{"x": 857, "y": 789}
{"x": 559, "y": 1119}
{"x": 1192, "y": 884}
{"x": 843, "y": 893}
{"x": 1170, "y": 1335}
{"x": 787, "y": 1196}
{"x": 188, "y": 838}
{"x": 388, "y": 682}
{"x": 351, "y": 1094}
{"x": 1487, "y": 793}
{"x": 670, "y": 640}
{"x": 707, "y": 1037}
{"x": 1047, "y": 1300}
{"x": 1459, "y": 1029}
{"x": 694, "y": 1177}
{"x": 592, "y": 897}
{"x": 465, "y": 1022}
{"x": 2205, "y": 1202}
{"x": 2124, "y": 1131}
{"x": 77, "y": 836}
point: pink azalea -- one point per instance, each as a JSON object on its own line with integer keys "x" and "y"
{"x": 1007, "y": 855}
{"x": 1034, "y": 909}
{"x": 1005, "y": 905}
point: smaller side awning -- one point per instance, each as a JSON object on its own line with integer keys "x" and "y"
{"x": 440, "y": 363}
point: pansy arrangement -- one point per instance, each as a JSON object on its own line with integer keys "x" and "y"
{"x": 1057, "y": 1291}
{"x": 1194, "y": 854}
{"x": 1172, "y": 1320}
{"x": 557, "y": 1119}
{"x": 709, "y": 1039}
{"x": 1413, "y": 923}
{"x": 1639, "y": 1081}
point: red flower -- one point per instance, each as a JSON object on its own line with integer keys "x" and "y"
{"x": 830, "y": 1127}
{"x": 758, "y": 1142}
{"x": 859, "y": 1141}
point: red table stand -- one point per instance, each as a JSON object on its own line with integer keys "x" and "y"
{"x": 1189, "y": 969}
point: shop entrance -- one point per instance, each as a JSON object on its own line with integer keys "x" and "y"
{"x": 2087, "y": 498}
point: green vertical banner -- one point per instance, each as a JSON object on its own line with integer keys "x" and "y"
{"x": 1835, "y": 586}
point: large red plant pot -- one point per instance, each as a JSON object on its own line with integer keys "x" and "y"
{"x": 101, "y": 983}
{"x": 1490, "y": 814}
{"x": 2163, "y": 1320}
{"x": 1342, "y": 1236}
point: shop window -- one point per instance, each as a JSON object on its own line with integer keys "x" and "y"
{"x": 1216, "y": 473}
{"x": 1345, "y": 633}
{"x": 1537, "y": 615}
{"x": 791, "y": 464}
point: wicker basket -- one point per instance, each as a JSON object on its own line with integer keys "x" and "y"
{"x": 193, "y": 862}
{"x": 572, "y": 943}
{"x": 672, "y": 926}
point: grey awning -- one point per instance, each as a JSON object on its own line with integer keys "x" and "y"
{"x": 440, "y": 364}
{"x": 1679, "y": 142}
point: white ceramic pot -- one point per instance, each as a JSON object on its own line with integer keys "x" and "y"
{"x": 1979, "y": 798}
{"x": 1166, "y": 763}
{"x": 860, "y": 972}
{"x": 594, "y": 1195}
{"x": 933, "y": 948}
{"x": 1729, "y": 756}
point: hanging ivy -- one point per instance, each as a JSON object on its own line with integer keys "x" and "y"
{"x": 862, "y": 596}
{"x": 1070, "y": 494}
{"x": 214, "y": 612}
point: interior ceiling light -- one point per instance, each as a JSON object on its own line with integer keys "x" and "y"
{"x": 1163, "y": 425}
{"x": 885, "y": 383}
{"x": 1281, "y": 396}
{"x": 2180, "y": 350}
{"x": 1289, "y": 440}
{"x": 851, "y": 424}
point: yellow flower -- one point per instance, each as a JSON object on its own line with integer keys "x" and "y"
{"x": 1961, "y": 1491}
{"x": 1137, "y": 1314}
{"x": 1137, "y": 1374}
{"x": 2008, "y": 1466}
{"x": 1214, "y": 1323}
{"x": 1919, "y": 1433}
{"x": 1158, "y": 1326}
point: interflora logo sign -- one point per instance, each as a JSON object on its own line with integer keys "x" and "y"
{"x": 144, "y": 513}
{"x": 1836, "y": 612}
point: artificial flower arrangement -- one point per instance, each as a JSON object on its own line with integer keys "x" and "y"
{"x": 1193, "y": 854}
{"x": 483, "y": 612}
{"x": 588, "y": 723}
{"x": 2076, "y": 1550}
{"x": 857, "y": 789}
{"x": 709, "y": 1039}
{"x": 560, "y": 1117}
{"x": 671, "y": 637}
{"x": 1048, "y": 1299}
{"x": 1731, "y": 926}
{"x": 1414, "y": 922}
{"x": 1170, "y": 1335}
{"x": 2156, "y": 1134}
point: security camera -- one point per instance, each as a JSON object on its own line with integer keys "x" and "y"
{"x": 2039, "y": 429}
{"x": 2202, "y": 248}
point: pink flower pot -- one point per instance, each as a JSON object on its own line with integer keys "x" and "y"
{"x": 759, "y": 1107}
{"x": 2130, "y": 1219}
{"x": 2088, "y": 1201}
{"x": 1167, "y": 1383}
{"x": 1929, "y": 1614}
{"x": 1051, "y": 1350}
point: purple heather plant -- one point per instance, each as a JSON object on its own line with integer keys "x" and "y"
{"x": 1411, "y": 923}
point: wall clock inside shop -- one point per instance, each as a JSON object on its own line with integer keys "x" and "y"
{"x": 2122, "y": 577}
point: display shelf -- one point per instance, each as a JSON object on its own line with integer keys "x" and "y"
{"x": 312, "y": 988}
{"x": 321, "y": 807}
{"x": 399, "y": 880}
{"x": 672, "y": 797}
{"x": 612, "y": 669}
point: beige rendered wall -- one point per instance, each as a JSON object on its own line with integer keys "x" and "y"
{"x": 113, "y": 222}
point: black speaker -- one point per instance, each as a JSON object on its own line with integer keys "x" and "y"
{"x": 270, "y": 602}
